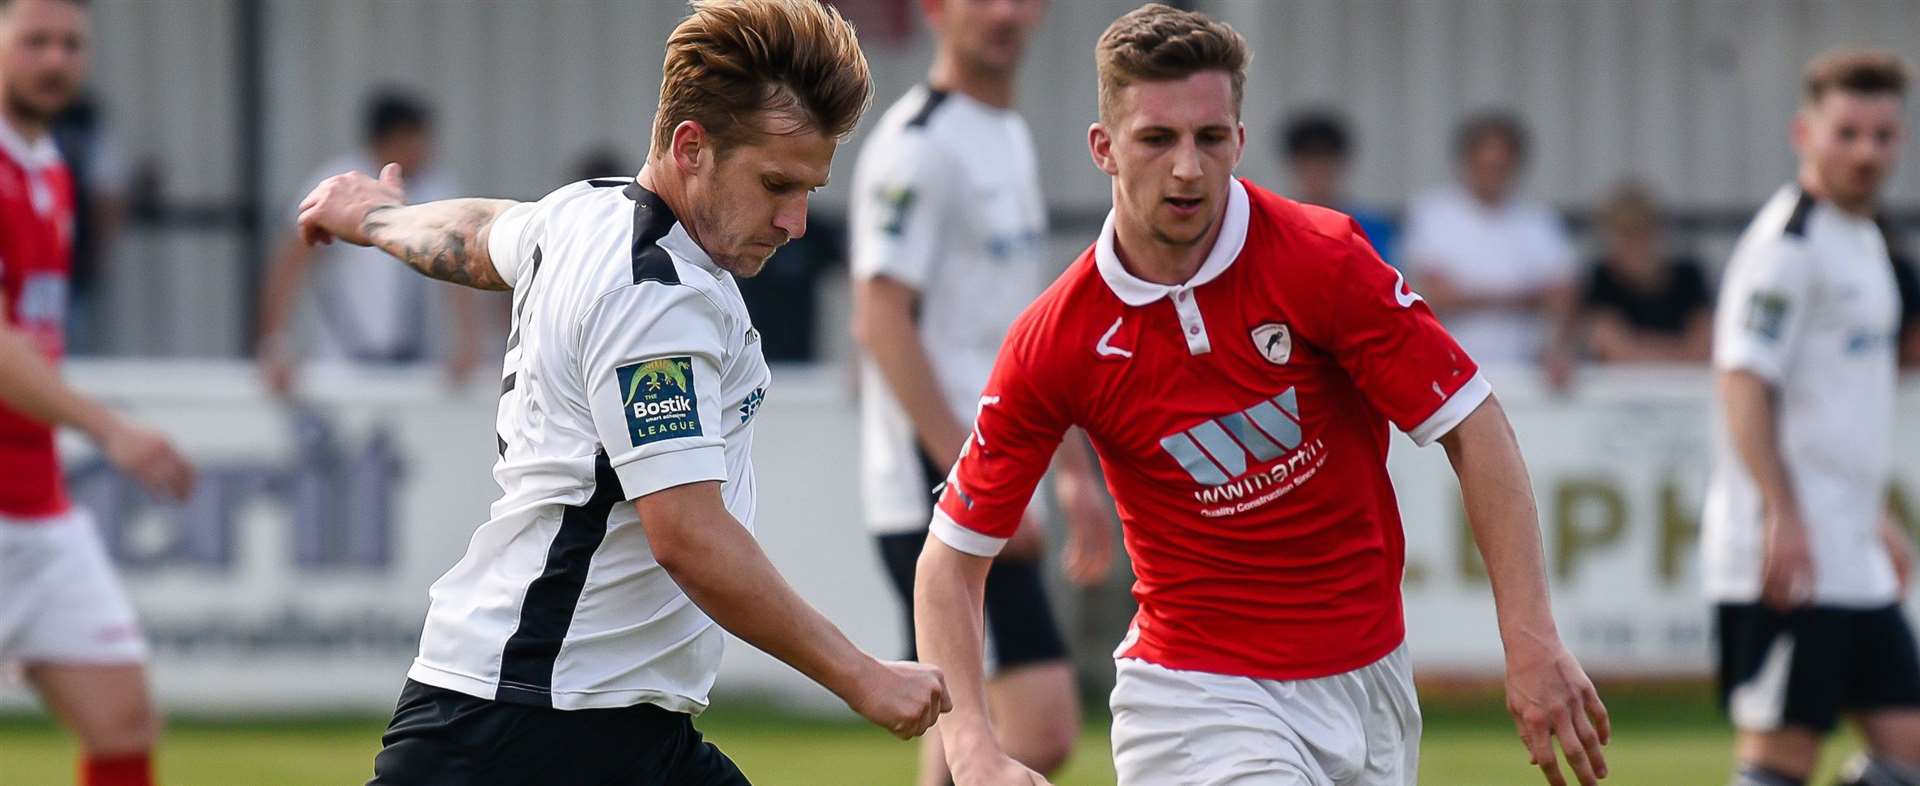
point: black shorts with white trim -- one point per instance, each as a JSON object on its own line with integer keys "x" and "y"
{"x": 443, "y": 738}
{"x": 1804, "y": 668}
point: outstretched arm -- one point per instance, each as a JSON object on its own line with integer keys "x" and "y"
{"x": 720, "y": 566}
{"x": 445, "y": 240}
{"x": 1547, "y": 692}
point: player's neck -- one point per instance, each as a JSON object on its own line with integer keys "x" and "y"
{"x": 990, "y": 88}
{"x": 1811, "y": 183}
{"x": 28, "y": 125}
{"x": 1150, "y": 258}
{"x": 666, "y": 184}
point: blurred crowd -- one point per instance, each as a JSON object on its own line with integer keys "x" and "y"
{"x": 1504, "y": 272}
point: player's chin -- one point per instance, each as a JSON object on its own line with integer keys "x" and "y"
{"x": 748, "y": 263}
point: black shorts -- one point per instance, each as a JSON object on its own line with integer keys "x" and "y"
{"x": 1805, "y": 667}
{"x": 447, "y": 738}
{"x": 1020, "y": 624}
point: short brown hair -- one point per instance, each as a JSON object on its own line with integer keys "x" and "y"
{"x": 1867, "y": 71}
{"x": 1157, "y": 43}
{"x": 732, "y": 59}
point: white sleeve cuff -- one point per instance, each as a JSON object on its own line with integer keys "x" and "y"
{"x": 503, "y": 241}
{"x": 643, "y": 476}
{"x": 1765, "y": 365}
{"x": 1464, "y": 401}
{"x": 963, "y": 539}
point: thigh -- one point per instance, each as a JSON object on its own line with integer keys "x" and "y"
{"x": 1019, "y": 618}
{"x": 1393, "y": 724}
{"x": 1178, "y": 728}
{"x": 80, "y": 614}
{"x": 1783, "y": 670}
{"x": 1884, "y": 673}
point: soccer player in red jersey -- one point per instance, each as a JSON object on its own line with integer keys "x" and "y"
{"x": 63, "y": 615}
{"x": 1236, "y": 359}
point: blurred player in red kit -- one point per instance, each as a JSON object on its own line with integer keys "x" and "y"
{"x": 64, "y": 618}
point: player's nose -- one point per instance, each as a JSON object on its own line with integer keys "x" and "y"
{"x": 791, "y": 218}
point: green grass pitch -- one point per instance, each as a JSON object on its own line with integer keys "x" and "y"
{"x": 1663, "y": 738}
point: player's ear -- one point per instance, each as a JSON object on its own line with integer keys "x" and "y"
{"x": 689, "y": 141}
{"x": 1100, "y": 144}
{"x": 1239, "y": 142}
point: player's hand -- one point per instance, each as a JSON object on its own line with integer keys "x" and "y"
{"x": 1087, "y": 556}
{"x": 1787, "y": 573}
{"x": 903, "y": 697}
{"x": 1001, "y": 771}
{"x": 1899, "y": 550}
{"x": 337, "y": 208}
{"x": 1551, "y": 699}
{"x": 149, "y": 459}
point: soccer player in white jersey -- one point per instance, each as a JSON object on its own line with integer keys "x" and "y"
{"x": 579, "y": 635}
{"x": 949, "y": 243}
{"x": 1806, "y": 569}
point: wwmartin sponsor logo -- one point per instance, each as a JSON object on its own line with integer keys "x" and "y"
{"x": 1219, "y": 453}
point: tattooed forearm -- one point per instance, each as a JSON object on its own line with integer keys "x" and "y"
{"x": 445, "y": 240}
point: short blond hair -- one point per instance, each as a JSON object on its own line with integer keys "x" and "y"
{"x": 1865, "y": 71}
{"x": 731, "y": 60}
{"x": 1158, "y": 43}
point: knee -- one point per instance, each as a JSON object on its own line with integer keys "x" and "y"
{"x": 129, "y": 727}
{"x": 1053, "y": 746}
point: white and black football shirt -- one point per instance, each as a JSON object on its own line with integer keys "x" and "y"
{"x": 632, "y": 367}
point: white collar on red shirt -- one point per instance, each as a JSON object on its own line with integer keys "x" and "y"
{"x": 1135, "y": 291}
{"x": 35, "y": 155}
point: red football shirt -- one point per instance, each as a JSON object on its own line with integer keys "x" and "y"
{"x": 36, "y": 239}
{"x": 1241, "y": 419}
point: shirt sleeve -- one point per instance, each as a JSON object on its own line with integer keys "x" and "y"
{"x": 901, "y": 214}
{"x": 1765, "y": 303}
{"x": 651, "y": 355}
{"x": 1386, "y": 338}
{"x": 1015, "y": 433}
{"x": 512, "y": 238}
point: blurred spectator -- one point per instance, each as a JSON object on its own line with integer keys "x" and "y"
{"x": 99, "y": 200}
{"x": 1498, "y": 269}
{"x": 366, "y": 308}
{"x": 1640, "y": 305}
{"x": 1317, "y": 148}
{"x": 601, "y": 161}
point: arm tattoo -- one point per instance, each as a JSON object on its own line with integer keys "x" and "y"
{"x": 443, "y": 240}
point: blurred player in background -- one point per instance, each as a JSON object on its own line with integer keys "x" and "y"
{"x": 1799, "y": 553}
{"x": 1318, "y": 149}
{"x": 63, "y": 615}
{"x": 366, "y": 310}
{"x": 949, "y": 245}
{"x": 1236, "y": 358}
{"x": 577, "y": 638}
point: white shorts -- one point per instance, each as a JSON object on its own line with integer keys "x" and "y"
{"x": 59, "y": 599}
{"x": 1190, "y": 728}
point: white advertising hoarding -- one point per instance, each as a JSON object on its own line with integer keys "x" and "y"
{"x": 296, "y": 578}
